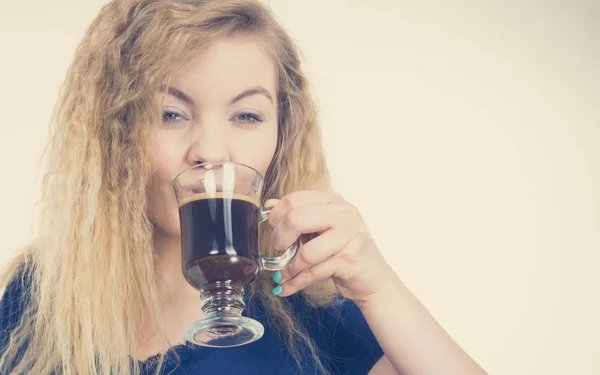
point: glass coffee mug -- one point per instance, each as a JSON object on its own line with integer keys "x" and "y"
{"x": 219, "y": 212}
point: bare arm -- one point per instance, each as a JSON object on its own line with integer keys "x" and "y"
{"x": 383, "y": 367}
{"x": 412, "y": 340}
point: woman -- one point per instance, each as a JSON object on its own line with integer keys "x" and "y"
{"x": 158, "y": 86}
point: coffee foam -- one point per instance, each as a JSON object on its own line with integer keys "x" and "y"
{"x": 219, "y": 195}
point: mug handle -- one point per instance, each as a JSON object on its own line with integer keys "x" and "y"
{"x": 280, "y": 262}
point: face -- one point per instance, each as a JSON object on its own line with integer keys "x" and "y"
{"x": 221, "y": 107}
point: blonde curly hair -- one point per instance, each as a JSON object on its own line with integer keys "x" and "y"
{"x": 91, "y": 268}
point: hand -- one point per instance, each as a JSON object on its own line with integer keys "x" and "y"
{"x": 341, "y": 246}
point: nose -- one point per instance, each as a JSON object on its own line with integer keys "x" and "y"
{"x": 208, "y": 145}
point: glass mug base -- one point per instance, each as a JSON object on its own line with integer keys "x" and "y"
{"x": 224, "y": 331}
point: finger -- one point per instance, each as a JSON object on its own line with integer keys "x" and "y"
{"x": 298, "y": 199}
{"x": 301, "y": 220}
{"x": 316, "y": 251}
{"x": 308, "y": 276}
{"x": 271, "y": 203}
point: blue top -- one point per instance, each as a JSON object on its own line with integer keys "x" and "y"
{"x": 345, "y": 343}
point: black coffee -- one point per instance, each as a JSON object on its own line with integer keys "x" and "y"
{"x": 219, "y": 238}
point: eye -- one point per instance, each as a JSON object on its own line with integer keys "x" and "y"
{"x": 172, "y": 117}
{"x": 248, "y": 118}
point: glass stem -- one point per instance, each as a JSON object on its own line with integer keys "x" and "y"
{"x": 222, "y": 299}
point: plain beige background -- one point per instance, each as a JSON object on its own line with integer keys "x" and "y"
{"x": 466, "y": 132}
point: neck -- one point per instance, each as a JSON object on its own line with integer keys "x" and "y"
{"x": 179, "y": 301}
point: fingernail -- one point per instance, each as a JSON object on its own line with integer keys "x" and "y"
{"x": 277, "y": 290}
{"x": 277, "y": 277}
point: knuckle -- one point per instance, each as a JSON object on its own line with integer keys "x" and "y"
{"x": 306, "y": 247}
{"x": 331, "y": 251}
{"x": 293, "y": 219}
{"x": 288, "y": 201}
{"x": 353, "y": 209}
{"x": 362, "y": 235}
{"x": 304, "y": 255}
{"x": 349, "y": 259}
{"x": 278, "y": 242}
{"x": 352, "y": 253}
{"x": 307, "y": 276}
{"x": 289, "y": 271}
{"x": 361, "y": 238}
{"x": 279, "y": 245}
{"x": 339, "y": 197}
{"x": 354, "y": 216}
{"x": 347, "y": 209}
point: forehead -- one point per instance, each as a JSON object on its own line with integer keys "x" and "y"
{"x": 225, "y": 68}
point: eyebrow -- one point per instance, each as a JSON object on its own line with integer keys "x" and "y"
{"x": 178, "y": 94}
{"x": 256, "y": 90}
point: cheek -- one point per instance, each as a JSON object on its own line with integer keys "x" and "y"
{"x": 167, "y": 156}
{"x": 257, "y": 149}
{"x": 162, "y": 205}
{"x": 162, "y": 208}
